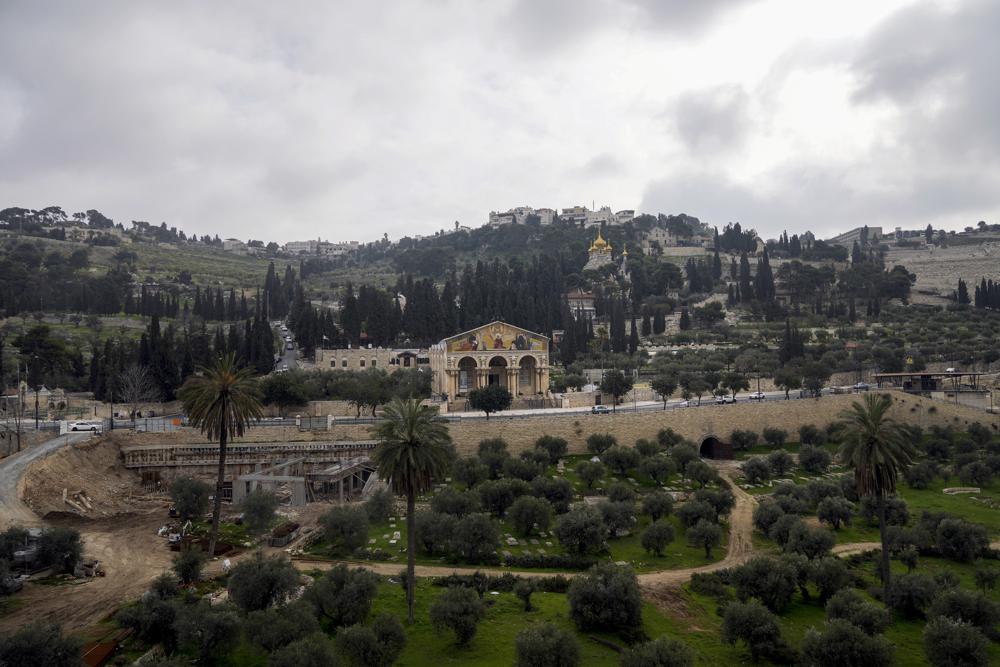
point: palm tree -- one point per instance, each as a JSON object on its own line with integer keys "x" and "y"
{"x": 221, "y": 400}
{"x": 414, "y": 449}
{"x": 877, "y": 448}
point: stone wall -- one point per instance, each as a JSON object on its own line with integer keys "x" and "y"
{"x": 693, "y": 423}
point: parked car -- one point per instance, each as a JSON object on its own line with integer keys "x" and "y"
{"x": 862, "y": 386}
{"x": 725, "y": 398}
{"x": 757, "y": 396}
{"x": 93, "y": 427}
{"x": 600, "y": 410}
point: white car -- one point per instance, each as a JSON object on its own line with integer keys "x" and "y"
{"x": 93, "y": 427}
{"x": 862, "y": 386}
{"x": 757, "y": 396}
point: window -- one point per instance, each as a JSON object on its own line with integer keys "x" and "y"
{"x": 343, "y": 363}
{"x": 362, "y": 363}
{"x": 374, "y": 363}
{"x": 333, "y": 363}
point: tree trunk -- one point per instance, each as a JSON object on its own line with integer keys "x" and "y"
{"x": 884, "y": 566}
{"x": 411, "y": 549}
{"x": 213, "y": 534}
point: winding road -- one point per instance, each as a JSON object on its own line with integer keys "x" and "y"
{"x": 12, "y": 469}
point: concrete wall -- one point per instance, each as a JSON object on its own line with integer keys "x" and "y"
{"x": 693, "y": 423}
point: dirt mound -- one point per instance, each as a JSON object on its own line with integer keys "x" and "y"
{"x": 85, "y": 480}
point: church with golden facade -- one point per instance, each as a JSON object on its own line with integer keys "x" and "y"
{"x": 493, "y": 354}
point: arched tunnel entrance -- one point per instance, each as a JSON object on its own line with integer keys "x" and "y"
{"x": 713, "y": 448}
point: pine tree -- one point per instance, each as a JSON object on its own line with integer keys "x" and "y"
{"x": 685, "y": 321}
{"x": 659, "y": 322}
{"x": 963, "y": 292}
{"x": 633, "y": 339}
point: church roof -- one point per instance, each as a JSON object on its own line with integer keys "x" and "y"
{"x": 599, "y": 244}
{"x": 490, "y": 325}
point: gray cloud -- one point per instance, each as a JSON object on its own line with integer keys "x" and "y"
{"x": 713, "y": 120}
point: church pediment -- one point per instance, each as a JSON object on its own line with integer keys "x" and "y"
{"x": 497, "y": 336}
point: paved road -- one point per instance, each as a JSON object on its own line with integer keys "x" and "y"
{"x": 12, "y": 468}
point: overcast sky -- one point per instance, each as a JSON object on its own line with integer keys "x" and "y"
{"x": 289, "y": 120}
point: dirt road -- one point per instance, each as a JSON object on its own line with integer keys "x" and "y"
{"x": 12, "y": 468}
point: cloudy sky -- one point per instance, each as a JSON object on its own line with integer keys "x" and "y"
{"x": 287, "y": 120}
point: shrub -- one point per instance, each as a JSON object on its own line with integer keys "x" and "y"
{"x": 683, "y": 454}
{"x": 841, "y": 643}
{"x": 345, "y": 527}
{"x": 768, "y": 579}
{"x": 700, "y": 473}
{"x": 782, "y": 528}
{"x": 775, "y": 437}
{"x": 188, "y": 564}
{"x": 962, "y": 605}
{"x": 38, "y": 644}
{"x": 743, "y": 439}
{"x": 661, "y": 652}
{"x": 537, "y": 456}
{"x": 618, "y": 517}
{"x": 258, "y": 582}
{"x": 589, "y": 472}
{"x": 706, "y": 535}
{"x": 657, "y": 504}
{"x": 469, "y": 470}
{"x": 711, "y": 584}
{"x": 851, "y": 606}
{"x": 314, "y": 650}
{"x": 598, "y": 443}
{"x": 896, "y": 511}
{"x": 909, "y": 556}
{"x": 986, "y": 577}
{"x": 522, "y": 469}
{"x": 721, "y": 500}
{"x": 433, "y": 530}
{"x": 206, "y": 629}
{"x": 911, "y": 594}
{"x": 343, "y": 595}
{"x": 975, "y": 474}
{"x": 658, "y": 468}
{"x": 920, "y": 475}
{"x": 557, "y": 491}
{"x": 475, "y": 540}
{"x": 60, "y": 548}
{"x": 620, "y": 492}
{"x": 667, "y": 437}
{"x": 693, "y": 511}
{"x": 273, "y": 628}
{"x": 375, "y": 646}
{"x": 810, "y": 542}
{"x": 554, "y": 447}
{"x": 961, "y": 540}
{"x": 527, "y": 512}
{"x": 813, "y": 459}
{"x": 492, "y": 454}
{"x": 819, "y": 490}
{"x": 621, "y": 459}
{"x": 523, "y": 590}
{"x": 752, "y": 624}
{"x": 456, "y": 503}
{"x": 498, "y": 495}
{"x": 835, "y": 511}
{"x": 151, "y": 619}
{"x": 190, "y": 497}
{"x": 546, "y": 645}
{"x": 830, "y": 575}
{"x": 949, "y": 643}
{"x": 380, "y": 505}
{"x": 458, "y": 610}
{"x": 780, "y": 462}
{"x": 766, "y": 514}
{"x": 809, "y": 434}
{"x": 606, "y": 598}
{"x": 647, "y": 448}
{"x": 657, "y": 536}
{"x": 581, "y": 530}
{"x": 756, "y": 470}
{"x": 259, "y": 510}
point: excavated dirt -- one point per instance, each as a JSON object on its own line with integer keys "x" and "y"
{"x": 91, "y": 475}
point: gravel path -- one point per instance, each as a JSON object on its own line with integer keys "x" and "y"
{"x": 12, "y": 468}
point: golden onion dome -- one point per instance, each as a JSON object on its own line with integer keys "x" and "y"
{"x": 599, "y": 243}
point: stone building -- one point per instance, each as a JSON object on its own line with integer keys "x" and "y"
{"x": 495, "y": 353}
{"x": 364, "y": 358}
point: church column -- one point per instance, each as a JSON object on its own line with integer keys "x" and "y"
{"x": 512, "y": 381}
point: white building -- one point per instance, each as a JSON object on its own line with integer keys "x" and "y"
{"x": 301, "y": 247}
{"x": 519, "y": 215}
{"x": 234, "y": 245}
